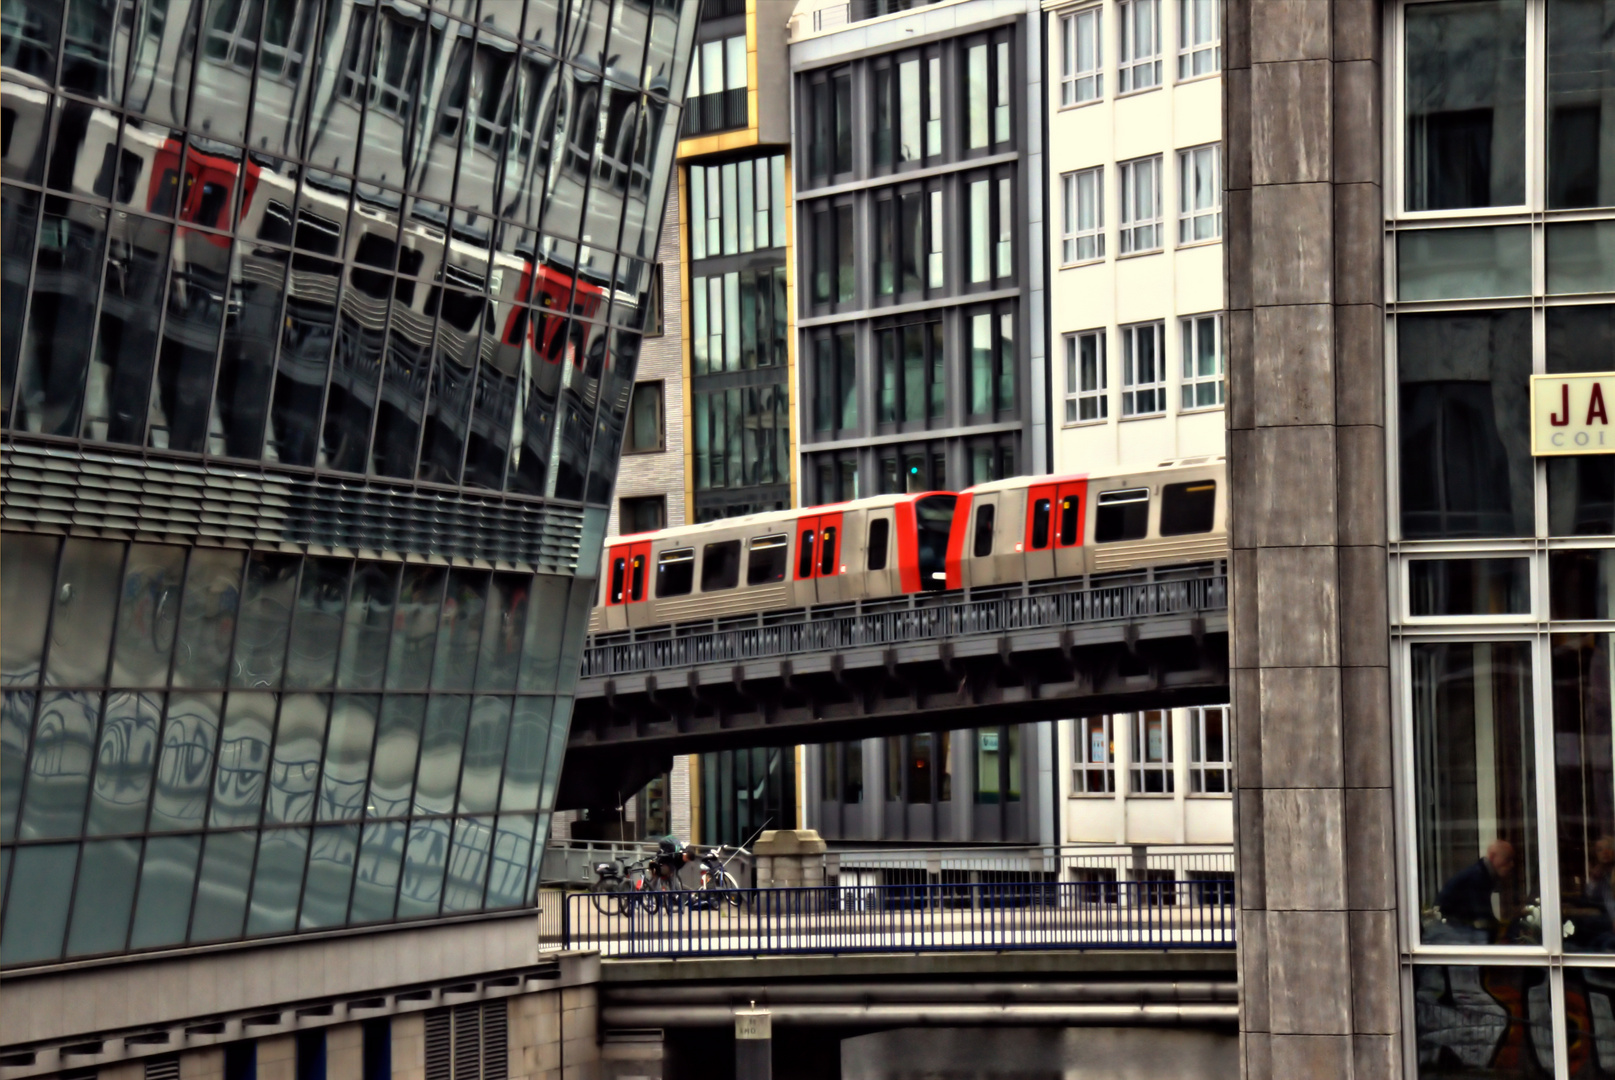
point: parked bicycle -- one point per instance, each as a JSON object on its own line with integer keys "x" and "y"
{"x": 715, "y": 875}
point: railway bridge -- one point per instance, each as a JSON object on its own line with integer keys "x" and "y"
{"x": 921, "y": 662}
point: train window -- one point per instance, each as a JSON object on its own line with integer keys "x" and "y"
{"x": 804, "y": 561}
{"x": 1122, "y": 515}
{"x": 618, "y": 566}
{"x": 675, "y": 572}
{"x": 827, "y": 551}
{"x": 933, "y": 521}
{"x": 766, "y": 563}
{"x": 985, "y": 513}
{"x": 880, "y": 538}
{"x": 720, "y": 566}
{"x": 636, "y": 585}
{"x": 1040, "y": 524}
{"x": 1188, "y": 508}
{"x": 1070, "y": 510}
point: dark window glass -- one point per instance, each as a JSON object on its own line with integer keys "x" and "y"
{"x": 845, "y": 255}
{"x": 720, "y": 566}
{"x": 1450, "y": 1042}
{"x": 241, "y": 1060}
{"x": 1469, "y": 586}
{"x": 912, "y": 240}
{"x": 885, "y": 252}
{"x": 933, "y": 520}
{"x": 765, "y": 562}
{"x": 675, "y": 572}
{"x": 824, "y": 384}
{"x": 880, "y": 531}
{"x": 378, "y": 1050}
{"x": 824, "y": 243}
{"x": 645, "y": 418}
{"x": 1465, "y": 425}
{"x": 618, "y": 566}
{"x": 1465, "y": 94}
{"x": 827, "y": 552}
{"x": 984, "y": 530}
{"x": 311, "y": 1055}
{"x": 804, "y": 562}
{"x": 914, "y": 371}
{"x": 1585, "y": 789}
{"x": 1188, "y": 508}
{"x": 1070, "y": 511}
{"x": 843, "y": 121}
{"x": 1122, "y": 515}
{"x": 847, "y": 380}
{"x": 56, "y": 348}
{"x": 819, "y": 150}
{"x": 1581, "y": 93}
{"x": 1581, "y": 490}
{"x": 636, "y": 586}
{"x": 1581, "y": 584}
{"x": 1040, "y": 524}
{"x": 885, "y": 110}
{"x": 647, "y": 514}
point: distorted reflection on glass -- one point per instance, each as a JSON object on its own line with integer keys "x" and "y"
{"x": 185, "y": 761}
{"x": 197, "y": 289}
{"x": 61, "y": 319}
{"x": 167, "y": 882}
{"x": 1475, "y": 773}
{"x": 266, "y": 609}
{"x": 347, "y": 757}
{"x": 126, "y": 344}
{"x": 103, "y": 897}
{"x": 367, "y": 619}
{"x": 207, "y": 618}
{"x": 238, "y": 785}
{"x": 223, "y": 885}
{"x": 420, "y": 889}
{"x": 409, "y": 658}
{"x": 277, "y": 881}
{"x": 507, "y": 872}
{"x": 82, "y": 613}
{"x": 331, "y": 857}
{"x": 1585, "y": 783}
{"x": 467, "y": 872}
{"x": 317, "y": 623}
{"x": 59, "y": 764}
{"x": 1483, "y": 1021}
{"x": 295, "y": 764}
{"x": 125, "y": 756}
{"x": 376, "y": 874}
{"x": 148, "y": 614}
{"x": 442, "y": 743}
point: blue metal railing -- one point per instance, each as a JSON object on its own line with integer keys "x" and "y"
{"x": 837, "y": 628}
{"x": 903, "y": 918}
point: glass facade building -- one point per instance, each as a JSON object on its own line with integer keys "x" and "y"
{"x": 320, "y": 329}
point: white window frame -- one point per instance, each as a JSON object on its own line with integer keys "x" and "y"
{"x": 1141, "y": 228}
{"x": 1193, "y": 216}
{"x": 1207, "y": 775}
{"x": 1079, "y": 85}
{"x": 1192, "y": 49}
{"x": 1087, "y": 398}
{"x": 1140, "y": 764}
{"x": 1090, "y": 774}
{"x": 1140, "y": 396}
{"x": 1079, "y": 244}
{"x": 1138, "y": 55}
{"x": 1194, "y": 379}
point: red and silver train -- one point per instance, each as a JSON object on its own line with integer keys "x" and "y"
{"x": 1027, "y": 528}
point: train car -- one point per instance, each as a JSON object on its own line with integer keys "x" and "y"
{"x": 888, "y": 545}
{"x": 1031, "y": 528}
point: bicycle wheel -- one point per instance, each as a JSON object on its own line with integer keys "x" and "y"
{"x": 732, "y": 894}
{"x": 606, "y": 899}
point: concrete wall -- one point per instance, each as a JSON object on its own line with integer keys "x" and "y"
{"x": 1309, "y": 651}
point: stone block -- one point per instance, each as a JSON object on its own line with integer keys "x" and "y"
{"x": 1254, "y": 1014}
{"x": 1300, "y": 722}
{"x": 1376, "y": 982}
{"x": 1292, "y": 244}
{"x": 344, "y": 1052}
{"x": 1316, "y": 1057}
{"x": 1356, "y": 117}
{"x": 123, "y": 1070}
{"x": 1248, "y": 725}
{"x": 1360, "y": 457}
{"x": 1249, "y": 853}
{"x": 1237, "y": 247}
{"x": 277, "y": 1058}
{"x": 1244, "y": 636}
{"x": 1360, "y": 364}
{"x": 1375, "y": 1057}
{"x": 1290, "y": 105}
{"x": 1359, "y": 240}
{"x": 1236, "y": 91}
{"x": 1293, "y": 353}
{"x": 204, "y": 1064}
{"x": 1297, "y": 608}
{"x": 1357, "y": 29}
{"x": 1236, "y": 34}
{"x": 1309, "y": 973}
{"x": 1370, "y": 852}
{"x": 1257, "y": 1053}
{"x": 1303, "y": 838}
{"x": 1364, "y": 611}
{"x": 1365, "y": 725}
{"x": 1289, "y": 30}
{"x": 1288, "y": 477}
{"x": 1240, "y": 359}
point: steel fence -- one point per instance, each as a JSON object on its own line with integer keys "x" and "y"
{"x": 945, "y": 917}
{"x": 852, "y": 626}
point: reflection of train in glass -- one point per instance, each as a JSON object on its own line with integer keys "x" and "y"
{"x": 1028, "y": 528}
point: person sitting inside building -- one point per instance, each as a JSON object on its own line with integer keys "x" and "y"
{"x": 1465, "y": 901}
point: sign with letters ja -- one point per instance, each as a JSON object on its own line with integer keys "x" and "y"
{"x": 1570, "y": 414}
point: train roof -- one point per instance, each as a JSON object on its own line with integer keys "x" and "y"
{"x": 780, "y": 518}
{"x": 1019, "y": 483}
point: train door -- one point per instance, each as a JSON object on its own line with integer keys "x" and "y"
{"x": 878, "y": 560}
{"x": 986, "y": 549}
{"x": 1040, "y": 529}
{"x": 819, "y": 560}
{"x": 1070, "y": 515}
{"x": 635, "y": 583}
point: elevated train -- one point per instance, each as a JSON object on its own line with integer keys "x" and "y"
{"x": 1027, "y": 528}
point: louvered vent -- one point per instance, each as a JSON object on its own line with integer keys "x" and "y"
{"x": 495, "y": 1041}
{"x": 467, "y": 1042}
{"x": 163, "y": 1068}
{"x": 439, "y": 1060}
{"x": 99, "y": 494}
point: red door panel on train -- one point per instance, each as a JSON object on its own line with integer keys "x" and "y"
{"x": 1040, "y": 532}
{"x": 1070, "y": 517}
{"x": 819, "y": 557}
{"x": 628, "y": 576}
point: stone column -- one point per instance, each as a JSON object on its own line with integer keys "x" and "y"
{"x": 1309, "y": 643}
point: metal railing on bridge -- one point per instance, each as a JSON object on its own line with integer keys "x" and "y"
{"x": 879, "y": 624}
{"x": 949, "y": 917}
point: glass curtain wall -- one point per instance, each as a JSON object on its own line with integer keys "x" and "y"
{"x": 1503, "y": 564}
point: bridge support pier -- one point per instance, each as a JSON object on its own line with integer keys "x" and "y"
{"x": 754, "y": 1044}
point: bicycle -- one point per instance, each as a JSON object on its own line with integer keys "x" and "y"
{"x": 715, "y": 875}
{"x": 609, "y": 894}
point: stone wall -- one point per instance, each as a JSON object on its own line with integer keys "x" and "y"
{"x": 1309, "y": 648}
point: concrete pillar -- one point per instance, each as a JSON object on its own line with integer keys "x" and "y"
{"x": 344, "y": 1052}
{"x": 205, "y": 1064}
{"x": 1309, "y": 641}
{"x": 754, "y": 1044}
{"x": 787, "y": 858}
{"x": 409, "y": 1047}
{"x": 277, "y": 1058}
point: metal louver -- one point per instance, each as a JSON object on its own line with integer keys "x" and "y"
{"x": 72, "y": 490}
{"x": 163, "y": 1068}
{"x": 439, "y": 1059}
{"x": 495, "y": 1041}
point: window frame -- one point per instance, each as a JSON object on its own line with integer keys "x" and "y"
{"x": 1131, "y": 386}
{"x": 660, "y": 389}
{"x": 1092, "y": 778}
{"x": 1073, "y": 78}
{"x": 1188, "y": 51}
{"x": 1071, "y": 232}
{"x": 1077, "y": 393}
{"x": 1139, "y": 767}
{"x": 1128, "y": 63}
{"x": 1189, "y": 216}
{"x": 1190, "y": 380}
{"x": 1131, "y": 227}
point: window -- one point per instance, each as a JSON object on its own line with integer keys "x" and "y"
{"x": 738, "y": 321}
{"x": 1199, "y": 38}
{"x": 933, "y": 106}
{"x": 742, "y": 437}
{"x": 933, "y": 259}
{"x": 1001, "y": 95}
{"x": 1120, "y": 515}
{"x": 837, "y": 477}
{"x": 241, "y": 1059}
{"x": 804, "y": 555}
{"x": 1070, "y": 520}
{"x": 1152, "y": 753}
{"x": 998, "y": 765}
{"x": 765, "y": 560}
{"x": 976, "y": 97}
{"x": 647, "y": 514}
{"x": 992, "y": 362}
{"x": 1082, "y": 215}
{"x": 830, "y": 125}
{"x": 835, "y": 379}
{"x": 645, "y": 419}
{"x": 1085, "y": 394}
{"x": 980, "y": 227}
{"x": 1140, "y": 53}
{"x": 1202, "y": 361}
{"x": 311, "y": 1055}
{"x": 908, "y": 96}
{"x": 1143, "y": 370}
{"x": 983, "y": 545}
{"x": 841, "y": 94}
{"x": 1040, "y": 524}
{"x": 738, "y": 207}
{"x": 717, "y": 93}
{"x": 720, "y": 566}
{"x": 655, "y": 318}
{"x": 1188, "y": 507}
{"x": 911, "y": 376}
{"x": 991, "y": 458}
{"x": 675, "y": 572}
{"x": 1004, "y": 250}
{"x": 1094, "y": 771}
{"x": 377, "y": 1055}
{"x": 879, "y": 540}
{"x": 1082, "y": 57}
{"x": 833, "y": 254}
{"x": 827, "y": 551}
{"x": 1199, "y": 195}
{"x": 1141, "y": 205}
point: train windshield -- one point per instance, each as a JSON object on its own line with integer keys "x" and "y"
{"x": 933, "y": 519}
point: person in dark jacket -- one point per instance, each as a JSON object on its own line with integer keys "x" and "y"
{"x": 1466, "y": 899}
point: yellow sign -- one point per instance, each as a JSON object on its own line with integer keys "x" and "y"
{"x": 1570, "y": 414}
